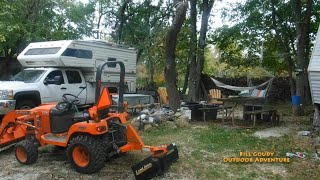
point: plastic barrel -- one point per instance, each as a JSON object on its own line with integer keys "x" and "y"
{"x": 295, "y": 100}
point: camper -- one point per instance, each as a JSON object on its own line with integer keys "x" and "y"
{"x": 55, "y": 68}
{"x": 314, "y": 81}
{"x": 85, "y": 55}
{"x": 314, "y": 71}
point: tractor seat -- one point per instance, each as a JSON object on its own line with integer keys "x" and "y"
{"x": 60, "y": 120}
{"x": 85, "y": 116}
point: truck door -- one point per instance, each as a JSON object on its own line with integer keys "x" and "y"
{"x": 50, "y": 91}
{"x": 76, "y": 85}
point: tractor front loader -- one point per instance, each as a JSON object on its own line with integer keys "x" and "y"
{"x": 161, "y": 156}
{"x": 10, "y": 131}
{"x": 89, "y": 139}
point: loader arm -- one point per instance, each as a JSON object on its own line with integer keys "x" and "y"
{"x": 161, "y": 156}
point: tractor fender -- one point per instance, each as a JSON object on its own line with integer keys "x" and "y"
{"x": 91, "y": 128}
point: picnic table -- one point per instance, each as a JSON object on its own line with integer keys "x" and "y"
{"x": 242, "y": 101}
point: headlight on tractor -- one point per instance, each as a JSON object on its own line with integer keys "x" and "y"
{"x": 6, "y": 94}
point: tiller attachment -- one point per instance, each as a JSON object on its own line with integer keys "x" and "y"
{"x": 157, "y": 163}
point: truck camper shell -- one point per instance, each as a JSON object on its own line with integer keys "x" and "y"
{"x": 86, "y": 55}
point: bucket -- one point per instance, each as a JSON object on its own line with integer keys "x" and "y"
{"x": 295, "y": 100}
{"x": 196, "y": 114}
{"x": 211, "y": 114}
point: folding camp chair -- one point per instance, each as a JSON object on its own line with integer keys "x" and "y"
{"x": 163, "y": 96}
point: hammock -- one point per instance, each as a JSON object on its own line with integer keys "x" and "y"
{"x": 236, "y": 88}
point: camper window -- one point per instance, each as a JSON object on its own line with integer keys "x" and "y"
{"x": 42, "y": 51}
{"x": 73, "y": 77}
{"x": 113, "y": 90}
{"x": 78, "y": 53}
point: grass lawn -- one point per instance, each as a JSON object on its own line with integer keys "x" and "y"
{"x": 204, "y": 145}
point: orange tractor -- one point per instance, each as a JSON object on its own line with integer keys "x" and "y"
{"x": 89, "y": 139}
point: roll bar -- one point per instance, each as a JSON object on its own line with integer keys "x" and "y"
{"x": 121, "y": 83}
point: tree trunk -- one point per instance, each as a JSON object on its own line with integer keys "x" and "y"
{"x": 186, "y": 79}
{"x": 151, "y": 70}
{"x": 192, "y": 95}
{"x": 300, "y": 50}
{"x": 99, "y": 19}
{"x": 316, "y": 118}
{"x": 291, "y": 81}
{"x": 170, "y": 68}
{"x": 5, "y": 64}
{"x": 197, "y": 65}
{"x": 307, "y": 95}
{"x": 302, "y": 20}
{"x": 122, "y": 18}
{"x": 284, "y": 47}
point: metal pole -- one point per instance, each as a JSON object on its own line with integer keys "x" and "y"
{"x": 121, "y": 83}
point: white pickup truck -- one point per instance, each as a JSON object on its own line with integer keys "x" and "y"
{"x": 33, "y": 86}
{"x": 55, "y": 68}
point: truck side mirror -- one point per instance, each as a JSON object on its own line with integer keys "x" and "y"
{"x": 57, "y": 80}
{"x": 45, "y": 82}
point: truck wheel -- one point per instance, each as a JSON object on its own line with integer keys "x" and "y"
{"x": 26, "y": 152}
{"x": 25, "y": 105}
{"x": 86, "y": 154}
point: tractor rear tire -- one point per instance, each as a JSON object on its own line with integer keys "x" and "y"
{"x": 26, "y": 152}
{"x": 85, "y": 154}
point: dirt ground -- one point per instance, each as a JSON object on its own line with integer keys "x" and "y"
{"x": 52, "y": 164}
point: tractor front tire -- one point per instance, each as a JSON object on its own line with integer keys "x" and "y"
{"x": 26, "y": 152}
{"x": 85, "y": 154}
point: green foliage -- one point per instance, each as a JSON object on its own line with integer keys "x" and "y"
{"x": 215, "y": 67}
{"x": 241, "y": 43}
{"x": 145, "y": 27}
{"x": 23, "y": 21}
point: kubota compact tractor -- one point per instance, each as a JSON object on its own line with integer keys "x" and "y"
{"x": 88, "y": 139}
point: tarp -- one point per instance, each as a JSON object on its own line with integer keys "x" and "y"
{"x": 236, "y": 88}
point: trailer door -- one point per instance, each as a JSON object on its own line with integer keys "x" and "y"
{"x": 76, "y": 85}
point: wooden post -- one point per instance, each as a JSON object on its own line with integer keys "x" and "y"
{"x": 316, "y": 118}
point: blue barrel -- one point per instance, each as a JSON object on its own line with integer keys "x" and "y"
{"x": 295, "y": 100}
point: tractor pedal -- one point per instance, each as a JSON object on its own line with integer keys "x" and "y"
{"x": 111, "y": 132}
{"x": 116, "y": 148}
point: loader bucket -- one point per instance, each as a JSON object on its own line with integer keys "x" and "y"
{"x": 155, "y": 166}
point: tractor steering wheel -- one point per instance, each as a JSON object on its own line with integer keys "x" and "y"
{"x": 73, "y": 102}
{"x": 67, "y": 103}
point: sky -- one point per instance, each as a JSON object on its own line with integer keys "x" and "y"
{"x": 215, "y": 13}
{"x": 217, "y": 10}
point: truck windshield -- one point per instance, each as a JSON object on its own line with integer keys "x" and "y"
{"x": 28, "y": 76}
